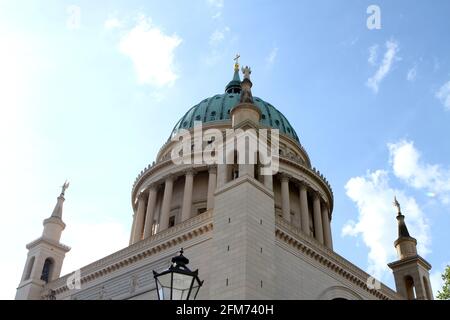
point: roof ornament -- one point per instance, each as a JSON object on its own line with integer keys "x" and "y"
{"x": 236, "y": 62}
{"x": 246, "y": 71}
{"x": 397, "y": 204}
{"x": 246, "y": 85}
{"x": 64, "y": 187}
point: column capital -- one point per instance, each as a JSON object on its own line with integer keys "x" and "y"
{"x": 153, "y": 186}
{"x": 284, "y": 176}
{"x": 212, "y": 169}
{"x": 141, "y": 195}
{"x": 190, "y": 171}
{"x": 170, "y": 177}
{"x": 316, "y": 194}
{"x": 303, "y": 183}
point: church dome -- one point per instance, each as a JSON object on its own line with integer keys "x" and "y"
{"x": 217, "y": 109}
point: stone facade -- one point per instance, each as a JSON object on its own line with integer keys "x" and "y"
{"x": 251, "y": 236}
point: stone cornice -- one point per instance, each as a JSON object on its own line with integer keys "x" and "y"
{"x": 329, "y": 259}
{"x": 55, "y": 220}
{"x": 245, "y": 178}
{"x": 174, "y": 236}
{"x": 414, "y": 259}
{"x": 50, "y": 242}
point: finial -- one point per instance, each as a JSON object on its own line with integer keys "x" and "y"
{"x": 397, "y": 204}
{"x": 64, "y": 187}
{"x": 246, "y": 71}
{"x": 236, "y": 62}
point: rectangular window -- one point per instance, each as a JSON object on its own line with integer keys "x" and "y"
{"x": 171, "y": 221}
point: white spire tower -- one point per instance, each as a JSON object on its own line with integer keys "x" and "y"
{"x": 45, "y": 255}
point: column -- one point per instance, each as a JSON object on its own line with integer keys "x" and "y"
{"x": 187, "y": 195}
{"x": 246, "y": 169}
{"x": 212, "y": 182}
{"x": 304, "y": 211}
{"x": 150, "y": 215}
{"x": 285, "y": 205}
{"x": 221, "y": 175}
{"x": 326, "y": 227}
{"x": 133, "y": 227}
{"x": 167, "y": 201}
{"x": 268, "y": 181}
{"x": 318, "y": 229}
{"x": 140, "y": 216}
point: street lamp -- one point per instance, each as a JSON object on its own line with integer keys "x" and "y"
{"x": 178, "y": 282}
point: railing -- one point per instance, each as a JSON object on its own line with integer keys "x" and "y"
{"x": 329, "y": 256}
{"x": 137, "y": 248}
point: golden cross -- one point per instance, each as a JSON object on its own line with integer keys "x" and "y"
{"x": 236, "y": 59}
{"x": 236, "y": 62}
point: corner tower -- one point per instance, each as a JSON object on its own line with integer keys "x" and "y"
{"x": 243, "y": 219}
{"x": 45, "y": 255}
{"x": 411, "y": 271}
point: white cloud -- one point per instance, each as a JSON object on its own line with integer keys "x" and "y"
{"x": 217, "y": 5}
{"x": 376, "y": 222}
{"x": 443, "y": 95}
{"x": 272, "y": 56}
{"x": 408, "y": 167}
{"x": 112, "y": 23}
{"x": 218, "y": 36}
{"x": 218, "y": 47}
{"x": 385, "y": 66}
{"x": 152, "y": 53}
{"x": 373, "y": 55}
{"x": 217, "y": 15}
{"x": 412, "y": 74}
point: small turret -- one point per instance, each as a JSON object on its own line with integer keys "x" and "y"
{"x": 45, "y": 255}
{"x": 234, "y": 86}
{"x": 411, "y": 271}
{"x": 405, "y": 244}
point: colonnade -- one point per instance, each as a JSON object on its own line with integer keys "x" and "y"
{"x": 145, "y": 215}
{"x": 146, "y": 204}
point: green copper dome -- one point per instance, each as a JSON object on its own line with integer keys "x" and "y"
{"x": 217, "y": 108}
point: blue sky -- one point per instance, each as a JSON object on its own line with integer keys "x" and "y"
{"x": 90, "y": 92}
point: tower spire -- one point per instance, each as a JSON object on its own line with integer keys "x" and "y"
{"x": 234, "y": 86}
{"x": 402, "y": 229}
{"x": 57, "y": 211}
{"x": 45, "y": 255}
{"x": 411, "y": 271}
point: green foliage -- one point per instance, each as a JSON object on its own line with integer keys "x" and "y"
{"x": 444, "y": 293}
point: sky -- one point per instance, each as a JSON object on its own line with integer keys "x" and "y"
{"x": 89, "y": 92}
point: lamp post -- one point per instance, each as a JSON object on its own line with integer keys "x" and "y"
{"x": 178, "y": 282}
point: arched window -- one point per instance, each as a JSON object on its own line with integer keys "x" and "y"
{"x": 410, "y": 288}
{"x": 47, "y": 270}
{"x": 29, "y": 269}
{"x": 427, "y": 288}
{"x": 234, "y": 167}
